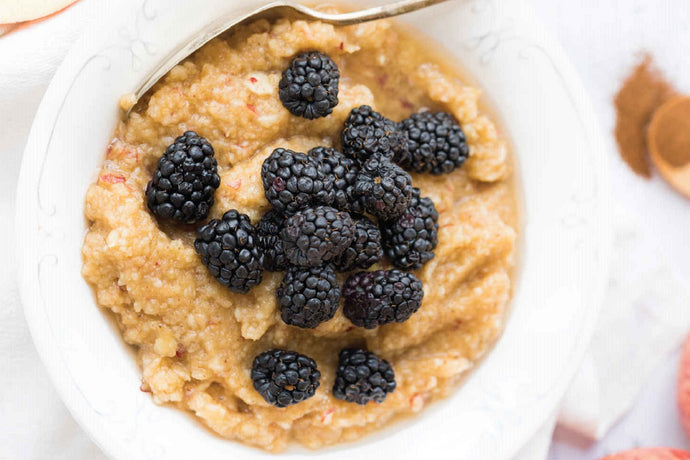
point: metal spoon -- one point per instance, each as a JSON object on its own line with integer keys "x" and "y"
{"x": 281, "y": 8}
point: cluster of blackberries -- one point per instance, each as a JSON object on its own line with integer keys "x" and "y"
{"x": 311, "y": 235}
{"x": 332, "y": 211}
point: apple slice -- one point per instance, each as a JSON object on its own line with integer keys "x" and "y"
{"x": 653, "y": 453}
{"x": 28, "y": 10}
{"x": 683, "y": 391}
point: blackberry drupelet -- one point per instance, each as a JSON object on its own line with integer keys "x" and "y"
{"x": 309, "y": 86}
{"x": 185, "y": 180}
{"x": 368, "y": 133}
{"x": 229, "y": 249}
{"x": 410, "y": 239}
{"x": 355, "y": 203}
{"x": 317, "y": 235}
{"x": 285, "y": 378}
{"x": 294, "y": 181}
{"x": 268, "y": 233}
{"x": 380, "y": 297}
{"x": 362, "y": 377}
{"x": 437, "y": 143}
{"x": 341, "y": 168}
{"x": 384, "y": 188}
{"x": 308, "y": 296}
{"x": 365, "y": 249}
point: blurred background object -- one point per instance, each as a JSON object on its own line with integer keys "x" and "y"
{"x": 17, "y": 11}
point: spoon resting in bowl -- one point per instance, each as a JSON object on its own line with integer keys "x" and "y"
{"x": 287, "y": 8}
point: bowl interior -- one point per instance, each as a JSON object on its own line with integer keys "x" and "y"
{"x": 539, "y": 103}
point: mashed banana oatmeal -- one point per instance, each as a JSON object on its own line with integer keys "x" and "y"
{"x": 206, "y": 334}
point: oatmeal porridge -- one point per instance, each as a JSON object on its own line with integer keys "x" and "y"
{"x": 196, "y": 339}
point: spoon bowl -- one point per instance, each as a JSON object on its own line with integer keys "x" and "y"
{"x": 666, "y": 137}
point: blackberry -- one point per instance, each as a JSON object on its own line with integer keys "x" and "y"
{"x": 185, "y": 180}
{"x": 285, "y": 378}
{"x": 293, "y": 181}
{"x": 317, "y": 235}
{"x": 365, "y": 249}
{"x": 228, "y": 247}
{"x": 308, "y": 296}
{"x": 309, "y": 86}
{"x": 380, "y": 297}
{"x": 384, "y": 188}
{"x": 268, "y": 233}
{"x": 368, "y": 133}
{"x": 343, "y": 171}
{"x": 410, "y": 239}
{"x": 437, "y": 143}
{"x": 362, "y": 377}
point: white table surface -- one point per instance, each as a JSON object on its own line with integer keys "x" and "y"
{"x": 601, "y": 37}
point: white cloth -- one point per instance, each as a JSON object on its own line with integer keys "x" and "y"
{"x": 34, "y": 423}
{"x": 644, "y": 315}
{"x": 644, "y": 318}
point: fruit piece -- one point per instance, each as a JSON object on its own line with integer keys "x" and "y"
{"x": 341, "y": 168}
{"x": 410, "y": 239}
{"x": 309, "y": 86}
{"x": 293, "y": 181}
{"x": 655, "y": 453}
{"x": 268, "y": 234}
{"x": 229, "y": 249}
{"x": 436, "y": 143}
{"x": 384, "y": 188}
{"x": 368, "y": 133}
{"x": 308, "y": 296}
{"x": 285, "y": 378}
{"x": 28, "y": 10}
{"x": 317, "y": 235}
{"x": 683, "y": 392}
{"x": 376, "y": 298}
{"x": 362, "y": 377}
{"x": 185, "y": 180}
{"x": 365, "y": 249}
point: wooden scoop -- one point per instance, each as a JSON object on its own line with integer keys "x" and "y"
{"x": 668, "y": 140}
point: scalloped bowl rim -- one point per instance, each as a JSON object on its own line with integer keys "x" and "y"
{"x": 566, "y": 232}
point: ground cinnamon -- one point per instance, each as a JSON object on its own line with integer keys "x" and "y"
{"x": 642, "y": 93}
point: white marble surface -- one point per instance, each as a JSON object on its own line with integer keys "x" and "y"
{"x": 601, "y": 36}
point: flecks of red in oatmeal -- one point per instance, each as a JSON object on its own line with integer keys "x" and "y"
{"x": 327, "y": 416}
{"x": 112, "y": 179}
{"x": 382, "y": 80}
{"x": 417, "y": 402}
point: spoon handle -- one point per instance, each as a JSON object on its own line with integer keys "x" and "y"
{"x": 369, "y": 14}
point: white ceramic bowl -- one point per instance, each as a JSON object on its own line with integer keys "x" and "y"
{"x": 544, "y": 111}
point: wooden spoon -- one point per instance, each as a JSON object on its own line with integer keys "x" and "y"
{"x": 668, "y": 140}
